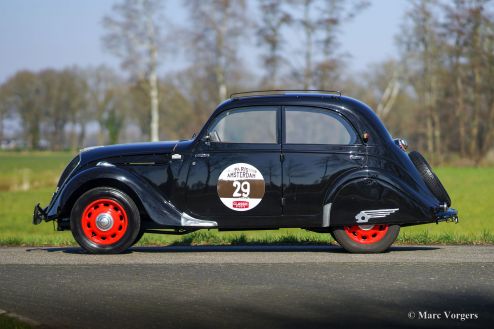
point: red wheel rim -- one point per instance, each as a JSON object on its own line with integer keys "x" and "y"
{"x": 366, "y": 234}
{"x": 104, "y": 221}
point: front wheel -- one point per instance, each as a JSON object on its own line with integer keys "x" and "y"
{"x": 366, "y": 239}
{"x": 105, "y": 220}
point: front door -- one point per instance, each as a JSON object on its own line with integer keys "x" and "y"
{"x": 235, "y": 175}
{"x": 318, "y": 146}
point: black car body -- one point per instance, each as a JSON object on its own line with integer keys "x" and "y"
{"x": 314, "y": 161}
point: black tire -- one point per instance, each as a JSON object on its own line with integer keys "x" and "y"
{"x": 349, "y": 244}
{"x": 138, "y": 237}
{"x": 98, "y": 242}
{"x": 430, "y": 178}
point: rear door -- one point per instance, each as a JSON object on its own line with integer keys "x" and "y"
{"x": 318, "y": 146}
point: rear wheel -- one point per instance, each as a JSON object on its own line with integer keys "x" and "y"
{"x": 366, "y": 238}
{"x": 105, "y": 220}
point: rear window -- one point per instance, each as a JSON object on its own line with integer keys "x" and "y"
{"x": 305, "y": 125}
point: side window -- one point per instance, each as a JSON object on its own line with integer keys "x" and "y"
{"x": 305, "y": 125}
{"x": 245, "y": 125}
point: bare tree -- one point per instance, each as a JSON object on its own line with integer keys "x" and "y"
{"x": 320, "y": 21}
{"x": 217, "y": 26}
{"x": 4, "y": 110}
{"x": 382, "y": 83}
{"x": 62, "y": 100}
{"x": 422, "y": 50}
{"x": 134, "y": 35}
{"x": 273, "y": 18}
{"x": 24, "y": 97}
{"x": 309, "y": 26}
{"x": 108, "y": 102}
{"x": 333, "y": 14}
{"x": 468, "y": 32}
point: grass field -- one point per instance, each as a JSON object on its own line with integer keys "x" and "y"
{"x": 7, "y": 322}
{"x": 28, "y": 178}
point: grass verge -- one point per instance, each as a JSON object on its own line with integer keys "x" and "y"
{"x": 7, "y": 322}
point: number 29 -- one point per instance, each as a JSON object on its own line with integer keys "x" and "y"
{"x": 243, "y": 187}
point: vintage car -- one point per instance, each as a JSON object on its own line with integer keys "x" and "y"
{"x": 318, "y": 161}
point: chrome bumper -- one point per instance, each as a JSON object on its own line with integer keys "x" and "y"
{"x": 449, "y": 215}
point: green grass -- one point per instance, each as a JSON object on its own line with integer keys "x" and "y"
{"x": 471, "y": 189}
{"x": 472, "y": 193}
{"x": 25, "y": 171}
{"x": 7, "y": 322}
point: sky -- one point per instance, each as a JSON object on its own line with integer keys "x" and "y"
{"x": 37, "y": 34}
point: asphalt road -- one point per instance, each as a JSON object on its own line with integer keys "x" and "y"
{"x": 251, "y": 287}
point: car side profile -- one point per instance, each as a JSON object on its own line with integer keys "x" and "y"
{"x": 318, "y": 161}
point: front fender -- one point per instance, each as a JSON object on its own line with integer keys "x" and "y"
{"x": 157, "y": 207}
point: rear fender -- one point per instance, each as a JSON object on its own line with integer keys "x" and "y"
{"x": 370, "y": 197}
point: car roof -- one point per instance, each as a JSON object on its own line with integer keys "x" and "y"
{"x": 343, "y": 103}
{"x": 311, "y": 99}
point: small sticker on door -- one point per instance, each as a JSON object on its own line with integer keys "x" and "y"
{"x": 241, "y": 187}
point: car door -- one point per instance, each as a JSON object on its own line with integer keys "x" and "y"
{"x": 235, "y": 174}
{"x": 318, "y": 146}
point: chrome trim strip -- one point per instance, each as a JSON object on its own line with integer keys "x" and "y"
{"x": 187, "y": 220}
{"x": 326, "y": 215}
{"x": 104, "y": 164}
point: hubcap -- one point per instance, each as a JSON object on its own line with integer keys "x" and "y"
{"x": 104, "y": 221}
{"x": 366, "y": 234}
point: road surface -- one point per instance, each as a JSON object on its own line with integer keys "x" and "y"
{"x": 251, "y": 287}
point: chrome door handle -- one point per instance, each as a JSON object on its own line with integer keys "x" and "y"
{"x": 202, "y": 155}
{"x": 356, "y": 157}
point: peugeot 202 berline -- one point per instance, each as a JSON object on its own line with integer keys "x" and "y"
{"x": 318, "y": 161}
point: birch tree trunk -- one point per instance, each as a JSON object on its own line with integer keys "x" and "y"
{"x": 308, "y": 83}
{"x": 153, "y": 80}
{"x": 153, "y": 96}
{"x": 134, "y": 36}
{"x": 460, "y": 110}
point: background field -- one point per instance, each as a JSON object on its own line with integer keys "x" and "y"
{"x": 28, "y": 178}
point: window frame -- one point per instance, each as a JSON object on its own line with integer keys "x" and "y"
{"x": 356, "y": 142}
{"x": 258, "y": 108}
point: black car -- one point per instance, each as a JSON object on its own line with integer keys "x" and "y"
{"x": 317, "y": 161}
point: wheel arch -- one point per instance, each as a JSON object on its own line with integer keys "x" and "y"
{"x": 102, "y": 182}
{"x": 151, "y": 203}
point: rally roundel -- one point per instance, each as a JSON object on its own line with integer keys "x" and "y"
{"x": 241, "y": 187}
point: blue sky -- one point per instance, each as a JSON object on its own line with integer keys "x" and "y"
{"x": 36, "y": 34}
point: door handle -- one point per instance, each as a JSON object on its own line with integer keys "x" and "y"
{"x": 202, "y": 155}
{"x": 356, "y": 157}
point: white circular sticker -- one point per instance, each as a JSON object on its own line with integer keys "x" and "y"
{"x": 241, "y": 187}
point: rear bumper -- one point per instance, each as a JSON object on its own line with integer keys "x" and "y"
{"x": 448, "y": 215}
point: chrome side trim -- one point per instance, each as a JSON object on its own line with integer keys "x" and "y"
{"x": 326, "y": 215}
{"x": 365, "y": 215}
{"x": 187, "y": 220}
{"x": 90, "y": 148}
{"x": 104, "y": 164}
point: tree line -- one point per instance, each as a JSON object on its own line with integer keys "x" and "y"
{"x": 438, "y": 93}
